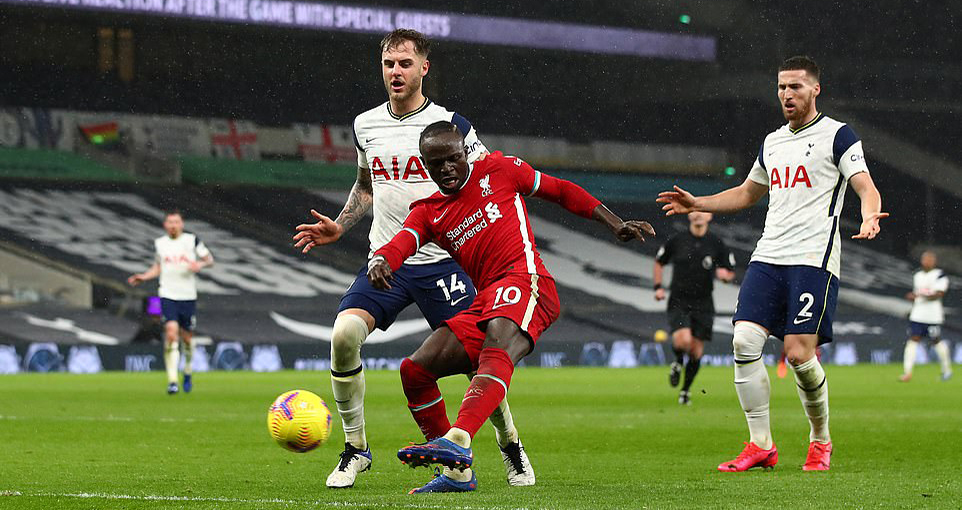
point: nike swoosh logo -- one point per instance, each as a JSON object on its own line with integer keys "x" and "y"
{"x": 368, "y": 140}
{"x": 456, "y": 301}
{"x": 439, "y": 217}
{"x": 796, "y": 321}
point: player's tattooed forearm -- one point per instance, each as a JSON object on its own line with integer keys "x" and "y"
{"x": 358, "y": 202}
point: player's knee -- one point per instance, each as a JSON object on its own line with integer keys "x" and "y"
{"x": 798, "y": 353}
{"x": 748, "y": 341}
{"x": 347, "y": 336}
{"x": 504, "y": 334}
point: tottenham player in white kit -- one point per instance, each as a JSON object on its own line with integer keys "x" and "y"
{"x": 391, "y": 175}
{"x": 929, "y": 286}
{"x": 179, "y": 256}
{"x": 791, "y": 285}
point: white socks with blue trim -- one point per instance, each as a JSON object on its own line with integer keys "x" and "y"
{"x": 172, "y": 360}
{"x": 347, "y": 376}
{"x": 751, "y": 381}
{"x": 813, "y": 392}
{"x": 908, "y": 357}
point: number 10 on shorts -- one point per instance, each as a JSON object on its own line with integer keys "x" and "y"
{"x": 506, "y": 296}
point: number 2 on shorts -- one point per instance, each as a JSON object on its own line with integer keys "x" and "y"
{"x": 805, "y": 313}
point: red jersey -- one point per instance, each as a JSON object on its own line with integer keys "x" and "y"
{"x": 484, "y": 225}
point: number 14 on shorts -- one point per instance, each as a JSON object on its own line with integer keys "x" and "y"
{"x": 456, "y": 286}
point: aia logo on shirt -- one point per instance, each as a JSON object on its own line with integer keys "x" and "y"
{"x": 787, "y": 179}
{"x": 413, "y": 170}
{"x": 176, "y": 259}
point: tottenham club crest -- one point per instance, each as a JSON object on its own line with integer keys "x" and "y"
{"x": 485, "y": 184}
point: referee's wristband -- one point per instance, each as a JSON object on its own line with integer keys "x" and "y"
{"x": 658, "y": 287}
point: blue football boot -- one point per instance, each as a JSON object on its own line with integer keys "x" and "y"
{"x": 437, "y": 451}
{"x": 441, "y": 483}
{"x": 188, "y": 384}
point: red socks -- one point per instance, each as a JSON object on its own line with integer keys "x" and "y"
{"x": 487, "y": 389}
{"x": 424, "y": 399}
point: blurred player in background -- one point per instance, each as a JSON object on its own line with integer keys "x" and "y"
{"x": 928, "y": 288}
{"x": 479, "y": 216}
{"x": 697, "y": 258}
{"x": 179, "y": 256}
{"x": 390, "y": 176}
{"x": 791, "y": 285}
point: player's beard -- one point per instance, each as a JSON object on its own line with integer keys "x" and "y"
{"x": 410, "y": 88}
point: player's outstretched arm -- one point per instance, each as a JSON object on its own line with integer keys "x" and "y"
{"x": 326, "y": 230}
{"x": 871, "y": 205}
{"x": 310, "y": 235}
{"x": 624, "y": 230}
{"x": 359, "y": 202}
{"x": 578, "y": 201}
{"x": 743, "y": 196}
{"x": 149, "y": 274}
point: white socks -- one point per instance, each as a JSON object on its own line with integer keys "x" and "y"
{"x": 751, "y": 381}
{"x": 908, "y": 358}
{"x": 945, "y": 358}
{"x": 347, "y": 376}
{"x": 503, "y": 422}
{"x": 188, "y": 357}
{"x": 813, "y": 392}
{"x": 459, "y": 437}
{"x": 941, "y": 350}
{"x": 463, "y": 439}
{"x": 172, "y": 360}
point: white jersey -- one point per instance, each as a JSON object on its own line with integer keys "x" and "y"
{"x": 177, "y": 281}
{"x": 806, "y": 171}
{"x": 387, "y": 145}
{"x": 926, "y": 283}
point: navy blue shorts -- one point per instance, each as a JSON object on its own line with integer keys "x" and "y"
{"x": 788, "y": 300}
{"x": 184, "y": 312}
{"x": 922, "y": 330}
{"x": 440, "y": 290}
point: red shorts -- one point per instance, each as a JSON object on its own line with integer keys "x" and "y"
{"x": 530, "y": 301}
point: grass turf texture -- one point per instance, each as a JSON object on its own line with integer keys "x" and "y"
{"x": 598, "y": 438}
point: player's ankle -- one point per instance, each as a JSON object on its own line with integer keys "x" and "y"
{"x": 458, "y": 475}
{"x": 357, "y": 442}
{"x": 765, "y": 443}
{"x": 506, "y": 437}
{"x": 459, "y": 437}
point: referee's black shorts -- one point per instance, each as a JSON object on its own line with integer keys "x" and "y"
{"x": 699, "y": 315}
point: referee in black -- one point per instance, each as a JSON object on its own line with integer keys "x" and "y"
{"x": 698, "y": 258}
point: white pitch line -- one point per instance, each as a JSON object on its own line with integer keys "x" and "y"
{"x": 257, "y": 501}
{"x": 109, "y": 418}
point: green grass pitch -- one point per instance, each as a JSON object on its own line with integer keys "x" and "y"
{"x": 598, "y": 438}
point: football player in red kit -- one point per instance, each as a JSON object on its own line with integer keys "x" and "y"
{"x": 479, "y": 217}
